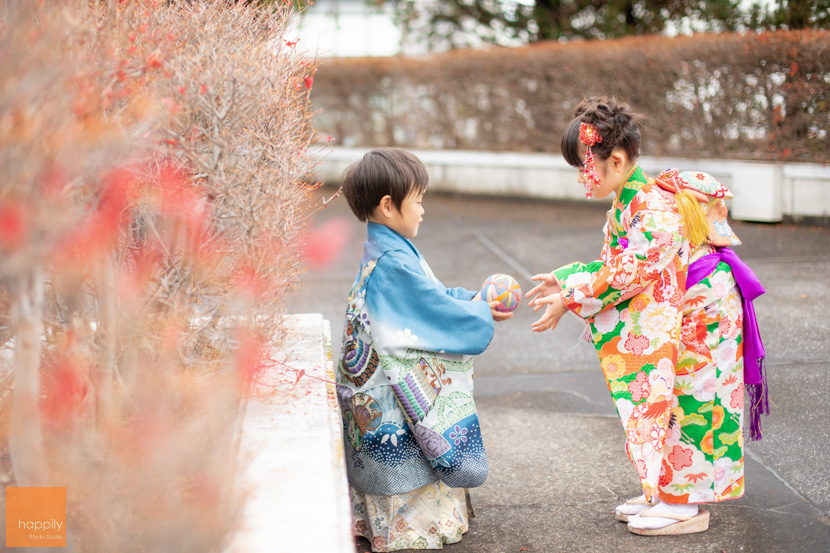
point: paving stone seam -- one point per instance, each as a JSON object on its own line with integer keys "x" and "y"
{"x": 787, "y": 485}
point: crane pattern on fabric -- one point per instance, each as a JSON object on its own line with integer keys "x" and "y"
{"x": 672, "y": 358}
{"x": 405, "y": 376}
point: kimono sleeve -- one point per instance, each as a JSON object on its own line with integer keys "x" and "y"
{"x": 654, "y": 242}
{"x": 410, "y": 310}
{"x": 577, "y": 274}
{"x": 460, "y": 293}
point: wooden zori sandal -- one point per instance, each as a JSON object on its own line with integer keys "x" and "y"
{"x": 635, "y": 502}
{"x": 684, "y": 525}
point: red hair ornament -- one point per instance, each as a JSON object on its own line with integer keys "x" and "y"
{"x": 589, "y": 135}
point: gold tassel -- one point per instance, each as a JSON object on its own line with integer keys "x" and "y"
{"x": 697, "y": 227}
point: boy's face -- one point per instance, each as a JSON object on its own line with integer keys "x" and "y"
{"x": 406, "y": 221}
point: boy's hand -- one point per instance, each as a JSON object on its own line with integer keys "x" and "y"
{"x": 499, "y": 316}
{"x": 547, "y": 287}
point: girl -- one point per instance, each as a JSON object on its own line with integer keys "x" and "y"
{"x": 671, "y": 339}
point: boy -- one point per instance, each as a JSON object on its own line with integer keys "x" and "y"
{"x": 405, "y": 378}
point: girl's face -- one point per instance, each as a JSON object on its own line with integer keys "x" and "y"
{"x": 611, "y": 173}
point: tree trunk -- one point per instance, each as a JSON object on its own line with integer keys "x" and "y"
{"x": 107, "y": 333}
{"x": 25, "y": 432}
{"x": 796, "y": 13}
{"x": 546, "y": 13}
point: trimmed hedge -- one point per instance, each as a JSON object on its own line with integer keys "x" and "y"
{"x": 755, "y": 96}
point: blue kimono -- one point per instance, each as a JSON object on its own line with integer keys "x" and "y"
{"x": 405, "y": 376}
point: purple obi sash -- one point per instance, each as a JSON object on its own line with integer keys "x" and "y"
{"x": 755, "y": 378}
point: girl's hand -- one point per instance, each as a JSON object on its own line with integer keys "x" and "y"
{"x": 547, "y": 287}
{"x": 553, "y": 312}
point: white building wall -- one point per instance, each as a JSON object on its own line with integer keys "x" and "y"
{"x": 806, "y": 190}
{"x": 349, "y": 28}
{"x": 766, "y": 192}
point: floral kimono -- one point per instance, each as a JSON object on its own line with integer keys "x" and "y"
{"x": 405, "y": 384}
{"x": 672, "y": 357}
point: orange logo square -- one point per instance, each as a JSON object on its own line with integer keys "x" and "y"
{"x": 35, "y": 517}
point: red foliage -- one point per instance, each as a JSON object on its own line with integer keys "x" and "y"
{"x": 251, "y": 355}
{"x": 65, "y": 388}
{"x": 141, "y": 280}
{"x": 98, "y": 232}
{"x": 324, "y": 244}
{"x": 13, "y": 226}
{"x": 180, "y": 200}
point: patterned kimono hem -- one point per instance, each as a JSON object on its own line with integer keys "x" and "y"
{"x": 425, "y": 518}
{"x": 668, "y": 498}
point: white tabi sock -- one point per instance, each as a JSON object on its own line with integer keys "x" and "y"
{"x": 654, "y": 520}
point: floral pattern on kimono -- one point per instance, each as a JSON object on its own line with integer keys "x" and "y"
{"x": 425, "y": 518}
{"x": 405, "y": 377}
{"x": 672, "y": 358}
{"x": 704, "y": 450}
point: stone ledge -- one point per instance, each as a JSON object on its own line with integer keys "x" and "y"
{"x": 291, "y": 451}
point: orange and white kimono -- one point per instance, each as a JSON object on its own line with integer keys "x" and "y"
{"x": 672, "y": 357}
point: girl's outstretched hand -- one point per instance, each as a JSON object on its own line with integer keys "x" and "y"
{"x": 548, "y": 286}
{"x": 553, "y": 312}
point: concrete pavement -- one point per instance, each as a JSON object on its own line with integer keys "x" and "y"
{"x": 557, "y": 465}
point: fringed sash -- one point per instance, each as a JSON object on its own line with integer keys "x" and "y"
{"x": 755, "y": 378}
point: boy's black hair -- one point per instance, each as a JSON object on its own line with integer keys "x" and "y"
{"x": 383, "y": 171}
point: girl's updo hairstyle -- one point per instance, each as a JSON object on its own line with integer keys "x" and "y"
{"x": 616, "y": 123}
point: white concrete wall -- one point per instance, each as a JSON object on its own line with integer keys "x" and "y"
{"x": 805, "y": 190}
{"x": 291, "y": 451}
{"x": 766, "y": 192}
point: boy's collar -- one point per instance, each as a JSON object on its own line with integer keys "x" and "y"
{"x": 386, "y": 239}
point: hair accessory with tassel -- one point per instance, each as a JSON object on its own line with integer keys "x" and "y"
{"x": 589, "y": 135}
